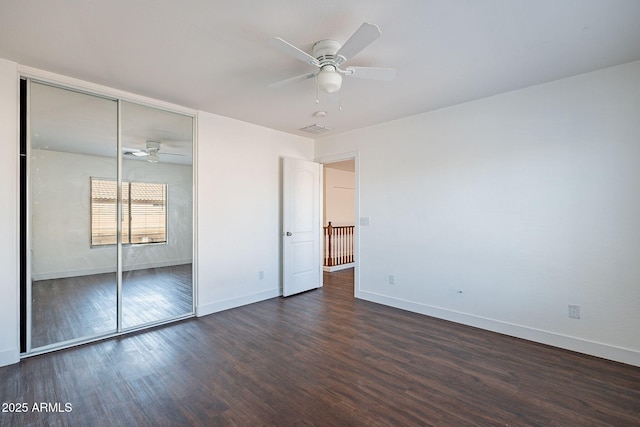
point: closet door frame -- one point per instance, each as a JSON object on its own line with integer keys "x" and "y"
{"x": 29, "y": 75}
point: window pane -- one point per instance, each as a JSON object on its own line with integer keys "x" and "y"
{"x": 148, "y": 213}
{"x": 103, "y": 212}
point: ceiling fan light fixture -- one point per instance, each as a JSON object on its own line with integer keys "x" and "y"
{"x": 329, "y": 80}
{"x": 153, "y": 157}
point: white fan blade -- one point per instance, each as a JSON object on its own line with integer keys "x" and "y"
{"x": 290, "y": 49}
{"x": 292, "y": 80}
{"x": 362, "y": 38}
{"x": 371, "y": 73}
{"x": 133, "y": 152}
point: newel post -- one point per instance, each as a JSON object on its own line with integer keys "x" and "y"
{"x": 329, "y": 233}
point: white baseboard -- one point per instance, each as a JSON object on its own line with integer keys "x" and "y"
{"x": 101, "y": 270}
{"x": 605, "y": 351}
{"x": 338, "y": 267}
{"x": 9, "y": 356}
{"x": 214, "y": 307}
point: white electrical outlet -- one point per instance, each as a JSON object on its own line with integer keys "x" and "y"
{"x": 574, "y": 311}
{"x": 260, "y": 274}
{"x": 392, "y": 279}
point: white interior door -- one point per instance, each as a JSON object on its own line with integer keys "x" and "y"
{"x": 302, "y": 269}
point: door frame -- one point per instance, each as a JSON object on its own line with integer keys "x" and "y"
{"x": 355, "y": 156}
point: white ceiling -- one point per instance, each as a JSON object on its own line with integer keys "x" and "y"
{"x": 213, "y": 55}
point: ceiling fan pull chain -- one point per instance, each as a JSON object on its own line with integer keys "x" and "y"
{"x": 317, "y": 91}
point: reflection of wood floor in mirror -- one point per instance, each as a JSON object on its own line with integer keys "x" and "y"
{"x": 85, "y": 306}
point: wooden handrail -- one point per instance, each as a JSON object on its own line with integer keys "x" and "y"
{"x": 338, "y": 244}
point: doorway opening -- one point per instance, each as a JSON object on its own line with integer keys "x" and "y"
{"x": 339, "y": 223}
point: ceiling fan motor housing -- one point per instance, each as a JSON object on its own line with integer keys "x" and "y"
{"x": 153, "y": 145}
{"x": 325, "y": 50}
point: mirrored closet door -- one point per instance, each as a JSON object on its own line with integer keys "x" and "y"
{"x": 74, "y": 138}
{"x": 157, "y": 211}
{"x": 109, "y": 217}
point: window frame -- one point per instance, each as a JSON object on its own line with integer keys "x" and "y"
{"x": 128, "y": 222}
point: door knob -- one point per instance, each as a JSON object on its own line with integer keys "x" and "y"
{"x": 289, "y": 233}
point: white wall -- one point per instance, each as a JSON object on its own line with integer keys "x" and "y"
{"x": 526, "y": 202}
{"x": 339, "y": 207}
{"x": 239, "y": 210}
{"x": 9, "y": 260}
{"x": 64, "y": 250}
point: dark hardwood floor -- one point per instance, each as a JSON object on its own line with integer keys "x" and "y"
{"x": 321, "y": 358}
{"x": 85, "y": 306}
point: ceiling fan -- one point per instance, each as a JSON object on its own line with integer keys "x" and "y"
{"x": 152, "y": 152}
{"x": 328, "y": 56}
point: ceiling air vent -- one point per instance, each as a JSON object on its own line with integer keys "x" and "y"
{"x": 315, "y": 129}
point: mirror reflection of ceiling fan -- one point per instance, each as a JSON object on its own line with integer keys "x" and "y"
{"x": 329, "y": 56}
{"x": 152, "y": 153}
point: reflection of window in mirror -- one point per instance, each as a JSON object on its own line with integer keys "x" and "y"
{"x": 144, "y": 212}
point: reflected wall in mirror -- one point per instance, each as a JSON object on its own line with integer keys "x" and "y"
{"x": 157, "y": 228}
{"x": 73, "y": 286}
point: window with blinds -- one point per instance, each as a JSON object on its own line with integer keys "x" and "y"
{"x": 144, "y": 212}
